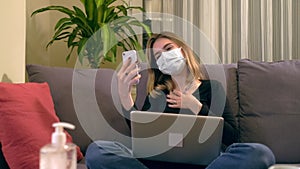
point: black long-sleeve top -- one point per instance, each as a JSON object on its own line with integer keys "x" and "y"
{"x": 213, "y": 98}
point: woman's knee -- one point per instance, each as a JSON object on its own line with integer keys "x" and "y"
{"x": 110, "y": 155}
{"x": 101, "y": 148}
{"x": 93, "y": 153}
{"x": 100, "y": 152}
{"x": 96, "y": 147}
{"x": 260, "y": 150}
{"x": 264, "y": 153}
{"x": 259, "y": 153}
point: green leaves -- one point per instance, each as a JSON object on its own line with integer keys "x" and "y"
{"x": 98, "y": 31}
{"x": 54, "y": 8}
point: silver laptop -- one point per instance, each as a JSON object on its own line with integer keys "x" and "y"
{"x": 177, "y": 138}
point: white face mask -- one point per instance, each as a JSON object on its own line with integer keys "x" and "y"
{"x": 171, "y": 62}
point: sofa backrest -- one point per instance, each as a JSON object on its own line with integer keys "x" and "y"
{"x": 264, "y": 97}
{"x": 227, "y": 75}
{"x": 269, "y": 100}
{"x": 85, "y": 98}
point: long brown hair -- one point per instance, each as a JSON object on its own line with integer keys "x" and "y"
{"x": 159, "y": 81}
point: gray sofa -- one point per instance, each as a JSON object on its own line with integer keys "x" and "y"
{"x": 263, "y": 96}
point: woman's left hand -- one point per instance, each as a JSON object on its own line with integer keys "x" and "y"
{"x": 177, "y": 99}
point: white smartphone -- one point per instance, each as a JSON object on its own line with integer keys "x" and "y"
{"x": 129, "y": 54}
{"x": 133, "y": 55}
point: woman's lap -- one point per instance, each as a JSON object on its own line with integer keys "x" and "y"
{"x": 109, "y": 155}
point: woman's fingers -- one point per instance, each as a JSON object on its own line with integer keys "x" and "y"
{"x": 177, "y": 93}
{"x": 174, "y": 95}
{"x": 174, "y": 98}
{"x": 127, "y": 70}
{"x": 131, "y": 71}
{"x": 125, "y": 65}
{"x": 128, "y": 75}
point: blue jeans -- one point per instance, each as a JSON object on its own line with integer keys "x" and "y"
{"x": 113, "y": 155}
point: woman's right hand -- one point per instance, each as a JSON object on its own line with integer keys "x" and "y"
{"x": 127, "y": 77}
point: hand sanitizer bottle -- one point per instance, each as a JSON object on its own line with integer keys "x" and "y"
{"x": 59, "y": 154}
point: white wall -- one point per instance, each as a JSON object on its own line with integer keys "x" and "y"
{"x": 12, "y": 44}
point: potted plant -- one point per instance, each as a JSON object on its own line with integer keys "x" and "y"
{"x": 98, "y": 31}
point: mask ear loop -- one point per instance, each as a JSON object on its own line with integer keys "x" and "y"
{"x": 184, "y": 57}
{"x": 180, "y": 48}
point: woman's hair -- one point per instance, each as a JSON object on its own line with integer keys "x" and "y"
{"x": 159, "y": 81}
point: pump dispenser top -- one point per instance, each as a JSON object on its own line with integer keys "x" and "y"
{"x": 59, "y": 137}
{"x": 59, "y": 154}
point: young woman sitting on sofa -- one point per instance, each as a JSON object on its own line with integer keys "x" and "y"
{"x": 175, "y": 75}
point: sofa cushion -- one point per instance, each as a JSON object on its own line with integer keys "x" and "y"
{"x": 26, "y": 118}
{"x": 269, "y": 95}
{"x": 227, "y": 75}
{"x": 84, "y": 98}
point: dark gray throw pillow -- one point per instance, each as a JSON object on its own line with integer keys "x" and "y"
{"x": 269, "y": 95}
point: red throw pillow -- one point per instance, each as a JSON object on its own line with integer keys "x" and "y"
{"x": 26, "y": 117}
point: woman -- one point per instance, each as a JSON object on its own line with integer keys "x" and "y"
{"x": 176, "y": 85}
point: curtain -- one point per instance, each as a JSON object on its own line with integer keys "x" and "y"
{"x": 262, "y": 30}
